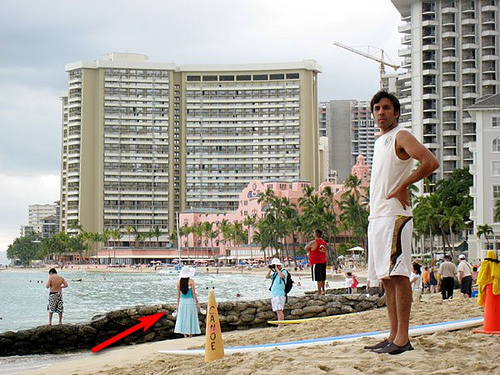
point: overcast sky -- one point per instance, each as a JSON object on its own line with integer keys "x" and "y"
{"x": 38, "y": 38}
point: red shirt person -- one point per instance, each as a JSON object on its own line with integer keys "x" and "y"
{"x": 317, "y": 258}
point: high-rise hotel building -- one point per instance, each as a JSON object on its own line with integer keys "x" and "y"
{"x": 451, "y": 50}
{"x": 144, "y": 140}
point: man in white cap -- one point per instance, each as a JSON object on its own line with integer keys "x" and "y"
{"x": 464, "y": 276}
{"x": 278, "y": 297}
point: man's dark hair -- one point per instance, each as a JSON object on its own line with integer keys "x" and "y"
{"x": 319, "y": 232}
{"x": 384, "y": 94}
{"x": 52, "y": 271}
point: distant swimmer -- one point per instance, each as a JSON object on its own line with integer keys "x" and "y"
{"x": 77, "y": 280}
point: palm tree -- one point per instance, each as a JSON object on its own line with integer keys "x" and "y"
{"x": 496, "y": 214}
{"x": 156, "y": 232}
{"x": 249, "y": 221}
{"x": 454, "y": 218}
{"x": 198, "y": 232}
{"x": 265, "y": 198}
{"x": 484, "y": 231}
{"x": 116, "y": 234}
{"x": 225, "y": 229}
{"x": 128, "y": 230}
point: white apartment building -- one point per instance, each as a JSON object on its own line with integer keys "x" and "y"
{"x": 144, "y": 140}
{"x": 451, "y": 52}
{"x": 486, "y": 172}
{"x": 37, "y": 213}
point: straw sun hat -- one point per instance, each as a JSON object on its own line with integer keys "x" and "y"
{"x": 187, "y": 272}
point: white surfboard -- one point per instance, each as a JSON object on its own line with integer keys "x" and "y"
{"x": 414, "y": 331}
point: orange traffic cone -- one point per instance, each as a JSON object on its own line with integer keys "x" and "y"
{"x": 489, "y": 293}
{"x": 491, "y": 323}
{"x": 214, "y": 348}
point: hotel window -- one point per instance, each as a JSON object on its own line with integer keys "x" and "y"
{"x": 292, "y": 76}
{"x": 260, "y": 77}
{"x": 496, "y": 145}
{"x": 244, "y": 78}
{"x": 495, "y": 170}
{"x": 496, "y": 191}
{"x": 495, "y": 122}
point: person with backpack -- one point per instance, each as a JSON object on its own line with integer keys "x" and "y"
{"x": 279, "y": 277}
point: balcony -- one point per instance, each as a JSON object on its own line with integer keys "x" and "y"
{"x": 404, "y": 52}
{"x": 431, "y": 146}
{"x": 432, "y": 71}
{"x": 469, "y": 21}
{"x": 406, "y": 28}
{"x": 450, "y": 108}
{"x": 470, "y": 95}
{"x": 430, "y": 47}
{"x": 430, "y": 120}
{"x": 451, "y": 133}
{"x": 489, "y": 56}
{"x": 430, "y": 96}
{"x": 429, "y": 23}
{"x": 487, "y": 33}
{"x": 451, "y": 157}
{"x": 491, "y": 82}
{"x": 449, "y": 34}
{"x": 470, "y": 71}
{"x": 449, "y": 9}
{"x": 471, "y": 45}
{"x": 451, "y": 82}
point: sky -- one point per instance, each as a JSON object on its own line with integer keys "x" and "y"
{"x": 38, "y": 38}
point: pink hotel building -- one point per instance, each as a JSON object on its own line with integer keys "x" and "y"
{"x": 248, "y": 206}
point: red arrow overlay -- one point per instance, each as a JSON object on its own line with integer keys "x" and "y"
{"x": 145, "y": 323}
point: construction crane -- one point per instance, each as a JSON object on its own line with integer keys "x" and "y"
{"x": 381, "y": 60}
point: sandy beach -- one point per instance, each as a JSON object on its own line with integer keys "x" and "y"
{"x": 459, "y": 352}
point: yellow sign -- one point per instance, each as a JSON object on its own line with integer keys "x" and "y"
{"x": 214, "y": 347}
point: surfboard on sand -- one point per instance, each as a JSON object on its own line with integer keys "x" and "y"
{"x": 414, "y": 331}
{"x": 298, "y": 321}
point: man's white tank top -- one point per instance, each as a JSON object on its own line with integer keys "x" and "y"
{"x": 388, "y": 171}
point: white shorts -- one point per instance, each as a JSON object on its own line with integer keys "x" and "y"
{"x": 278, "y": 303}
{"x": 389, "y": 247}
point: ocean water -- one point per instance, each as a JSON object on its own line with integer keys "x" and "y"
{"x": 25, "y": 296}
{"x": 24, "y": 302}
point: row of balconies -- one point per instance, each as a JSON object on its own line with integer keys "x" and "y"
{"x": 233, "y": 86}
{"x": 136, "y": 104}
{"x": 130, "y": 85}
{"x": 248, "y": 119}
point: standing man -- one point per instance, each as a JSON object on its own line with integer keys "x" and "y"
{"x": 391, "y": 226}
{"x": 464, "y": 276}
{"x": 446, "y": 277}
{"x": 278, "y": 297}
{"x": 317, "y": 257}
{"x": 55, "y": 283}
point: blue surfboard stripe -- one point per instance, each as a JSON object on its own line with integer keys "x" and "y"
{"x": 342, "y": 337}
{"x": 351, "y": 336}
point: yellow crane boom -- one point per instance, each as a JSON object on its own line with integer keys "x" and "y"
{"x": 381, "y": 60}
